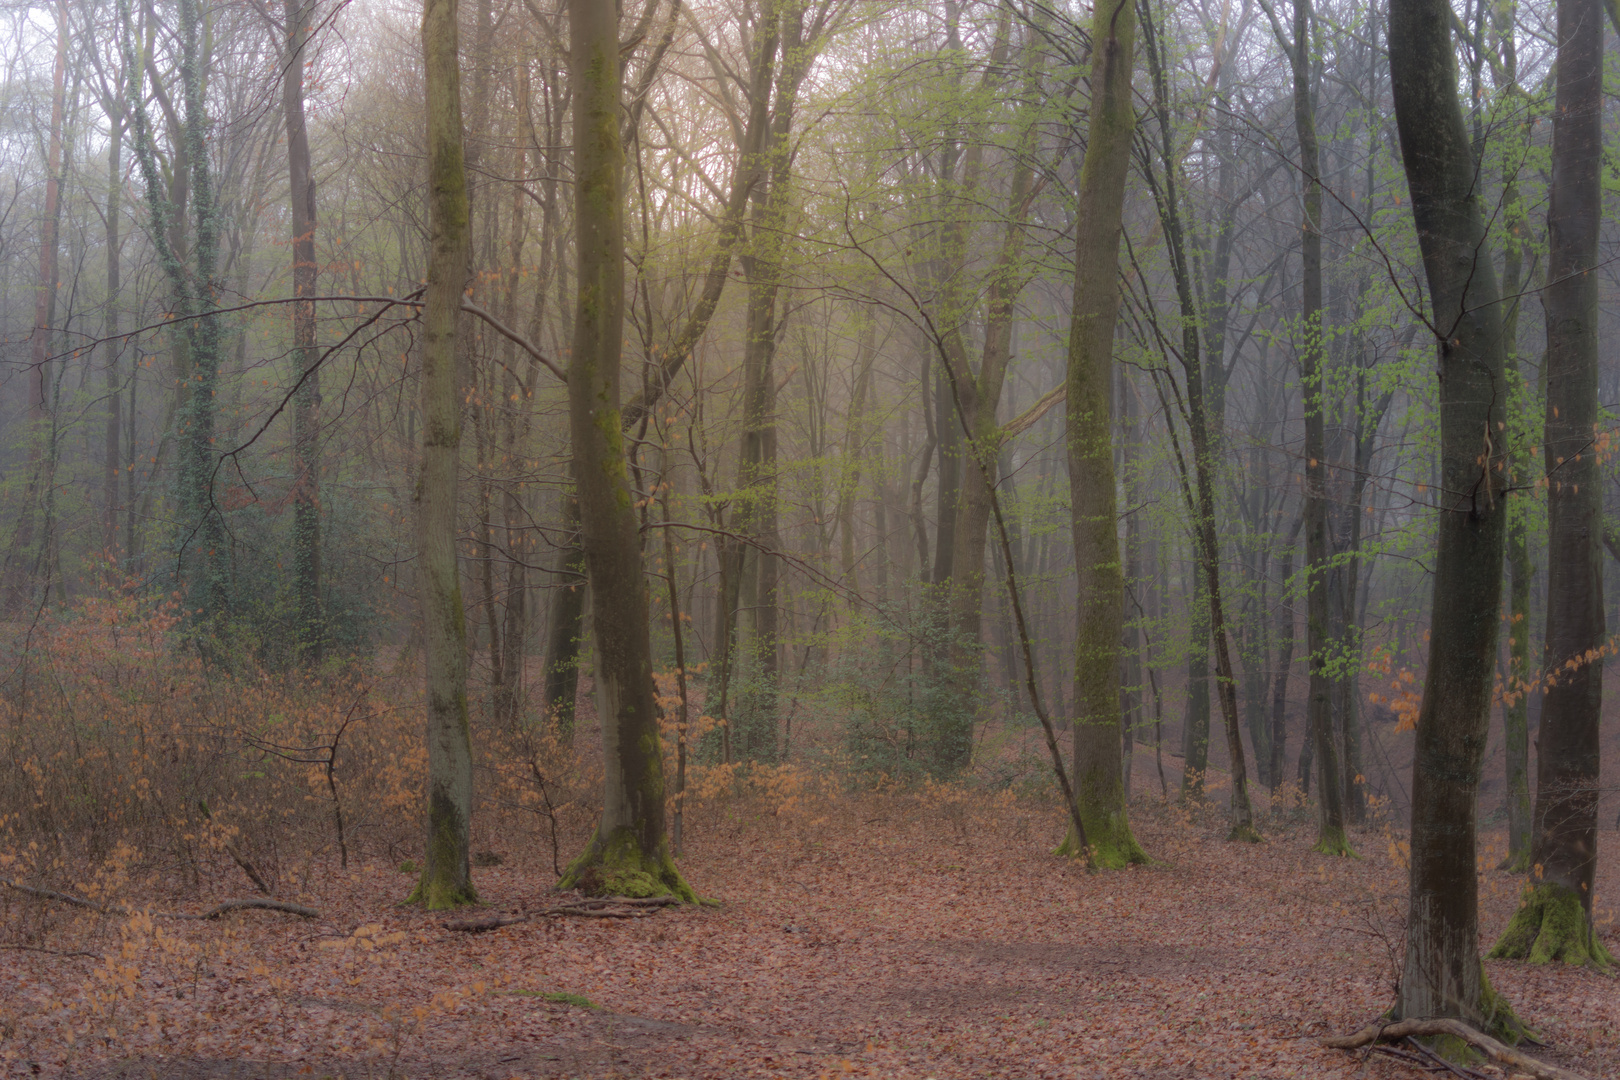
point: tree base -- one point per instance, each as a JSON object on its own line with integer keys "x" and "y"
{"x": 618, "y": 867}
{"x": 1515, "y": 864}
{"x": 1334, "y": 842}
{"x": 1112, "y": 845}
{"x": 440, "y": 895}
{"x": 1551, "y": 927}
{"x": 1245, "y": 834}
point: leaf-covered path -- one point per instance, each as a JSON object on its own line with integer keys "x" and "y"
{"x": 898, "y": 938}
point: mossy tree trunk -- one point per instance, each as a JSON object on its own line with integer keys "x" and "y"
{"x": 1442, "y": 976}
{"x": 1555, "y": 922}
{"x": 629, "y": 853}
{"x": 1094, "y": 517}
{"x": 1516, "y": 698}
{"x": 446, "y": 877}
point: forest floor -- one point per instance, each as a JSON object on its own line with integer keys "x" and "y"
{"x": 896, "y": 936}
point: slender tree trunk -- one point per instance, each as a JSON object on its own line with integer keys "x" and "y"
{"x": 564, "y": 627}
{"x": 113, "y": 453}
{"x": 300, "y": 15}
{"x": 629, "y": 852}
{"x": 24, "y": 561}
{"x": 1330, "y": 834}
{"x": 1285, "y": 661}
{"x": 1442, "y": 976}
{"x": 1555, "y": 919}
{"x": 1516, "y": 698}
{"x": 1093, "y": 514}
{"x": 446, "y": 874}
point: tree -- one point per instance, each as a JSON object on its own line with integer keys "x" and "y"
{"x": 1442, "y": 976}
{"x": 1330, "y": 837}
{"x": 446, "y": 870}
{"x": 1090, "y": 382}
{"x": 629, "y": 852}
{"x": 1554, "y": 922}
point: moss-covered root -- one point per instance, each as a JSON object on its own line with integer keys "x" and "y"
{"x": 1112, "y": 845}
{"x": 618, "y": 867}
{"x": 1551, "y": 927}
{"x": 441, "y": 893}
{"x": 1334, "y": 842}
{"x": 1245, "y": 834}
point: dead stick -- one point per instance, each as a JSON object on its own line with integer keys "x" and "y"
{"x": 212, "y": 913}
{"x": 1491, "y": 1048}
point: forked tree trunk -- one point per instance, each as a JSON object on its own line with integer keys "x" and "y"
{"x": 629, "y": 853}
{"x": 1442, "y": 976}
{"x": 1555, "y": 919}
{"x": 446, "y": 876}
{"x": 1100, "y": 793}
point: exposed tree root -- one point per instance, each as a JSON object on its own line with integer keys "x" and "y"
{"x": 1551, "y": 926}
{"x": 1456, "y": 1029}
{"x": 606, "y": 907}
{"x": 212, "y": 913}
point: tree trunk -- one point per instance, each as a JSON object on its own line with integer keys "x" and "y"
{"x": 1285, "y": 660}
{"x": 446, "y": 876}
{"x": 1094, "y": 515}
{"x": 1442, "y": 976}
{"x": 311, "y": 633}
{"x": 1555, "y": 920}
{"x": 113, "y": 453}
{"x": 564, "y": 626}
{"x": 629, "y": 853}
{"x": 24, "y": 560}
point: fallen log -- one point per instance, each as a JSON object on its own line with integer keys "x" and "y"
{"x": 596, "y": 907}
{"x": 1497, "y": 1051}
{"x": 212, "y": 913}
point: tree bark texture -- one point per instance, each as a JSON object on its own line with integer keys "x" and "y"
{"x": 299, "y": 15}
{"x": 1442, "y": 976}
{"x": 1090, "y": 380}
{"x": 446, "y": 876}
{"x": 1555, "y": 922}
{"x": 629, "y": 853}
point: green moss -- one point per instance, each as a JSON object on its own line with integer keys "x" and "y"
{"x": 1334, "y": 842}
{"x": 619, "y": 867}
{"x": 1497, "y": 1018}
{"x": 441, "y": 894}
{"x": 1112, "y": 845}
{"x": 561, "y": 997}
{"x": 1245, "y": 834}
{"x": 1551, "y": 926}
{"x": 409, "y": 867}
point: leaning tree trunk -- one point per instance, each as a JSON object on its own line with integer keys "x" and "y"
{"x": 311, "y": 632}
{"x": 1442, "y": 976}
{"x": 446, "y": 877}
{"x": 629, "y": 853}
{"x": 1555, "y": 919}
{"x": 1094, "y": 516}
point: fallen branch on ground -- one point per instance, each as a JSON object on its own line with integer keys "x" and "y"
{"x": 604, "y": 907}
{"x": 1491, "y": 1048}
{"x": 212, "y": 913}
